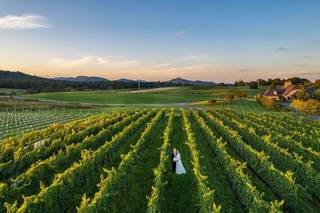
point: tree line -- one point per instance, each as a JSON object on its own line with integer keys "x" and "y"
{"x": 277, "y": 82}
{"x": 35, "y": 84}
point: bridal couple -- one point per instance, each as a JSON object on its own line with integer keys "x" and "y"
{"x": 177, "y": 166}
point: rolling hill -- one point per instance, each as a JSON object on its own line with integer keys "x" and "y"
{"x": 182, "y": 81}
{"x": 81, "y": 79}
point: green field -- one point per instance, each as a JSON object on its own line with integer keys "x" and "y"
{"x": 6, "y": 91}
{"x": 242, "y": 105}
{"x": 120, "y": 162}
{"x": 176, "y": 95}
{"x": 218, "y": 91}
{"x": 105, "y": 97}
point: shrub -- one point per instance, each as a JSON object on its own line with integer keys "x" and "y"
{"x": 303, "y": 94}
{"x": 253, "y": 85}
{"x": 268, "y": 103}
{"x": 229, "y": 97}
{"x": 310, "y": 106}
{"x": 239, "y": 94}
{"x": 316, "y": 95}
{"x": 212, "y": 101}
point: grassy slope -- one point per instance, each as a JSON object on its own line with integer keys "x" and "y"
{"x": 114, "y": 160}
{"x": 104, "y": 97}
{"x": 174, "y": 95}
{"x": 8, "y": 91}
{"x": 141, "y": 180}
{"x": 180, "y": 190}
{"x": 245, "y": 105}
{"x": 217, "y": 179}
{"x": 219, "y": 92}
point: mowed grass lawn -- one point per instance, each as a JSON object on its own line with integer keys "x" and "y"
{"x": 105, "y": 97}
{"x": 172, "y": 95}
{"x": 218, "y": 91}
{"x": 244, "y": 105}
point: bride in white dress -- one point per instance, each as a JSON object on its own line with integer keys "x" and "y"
{"x": 179, "y": 166}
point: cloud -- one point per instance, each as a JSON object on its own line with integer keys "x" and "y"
{"x": 181, "y": 33}
{"x": 308, "y": 73}
{"x": 102, "y": 61}
{"x": 131, "y": 62}
{"x": 194, "y": 57}
{"x": 183, "y": 68}
{"x": 71, "y": 62}
{"x": 306, "y": 56}
{"x": 282, "y": 49}
{"x": 246, "y": 70}
{"x": 305, "y": 65}
{"x": 315, "y": 43}
{"x": 91, "y": 60}
{"x": 162, "y": 65}
{"x": 116, "y": 56}
{"x": 105, "y": 63}
{"x": 31, "y": 21}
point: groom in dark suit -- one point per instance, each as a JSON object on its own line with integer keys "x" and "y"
{"x": 173, "y": 161}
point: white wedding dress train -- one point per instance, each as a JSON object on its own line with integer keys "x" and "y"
{"x": 179, "y": 166}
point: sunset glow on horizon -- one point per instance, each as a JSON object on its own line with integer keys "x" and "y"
{"x": 221, "y": 41}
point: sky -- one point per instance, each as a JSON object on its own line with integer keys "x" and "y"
{"x": 218, "y": 40}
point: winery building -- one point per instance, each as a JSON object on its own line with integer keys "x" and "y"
{"x": 288, "y": 92}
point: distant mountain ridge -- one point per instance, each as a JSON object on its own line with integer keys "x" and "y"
{"x": 24, "y": 76}
{"x": 81, "y": 79}
{"x": 190, "y": 82}
{"x": 35, "y": 84}
{"x": 177, "y": 81}
{"x": 19, "y": 75}
{"x": 124, "y": 80}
